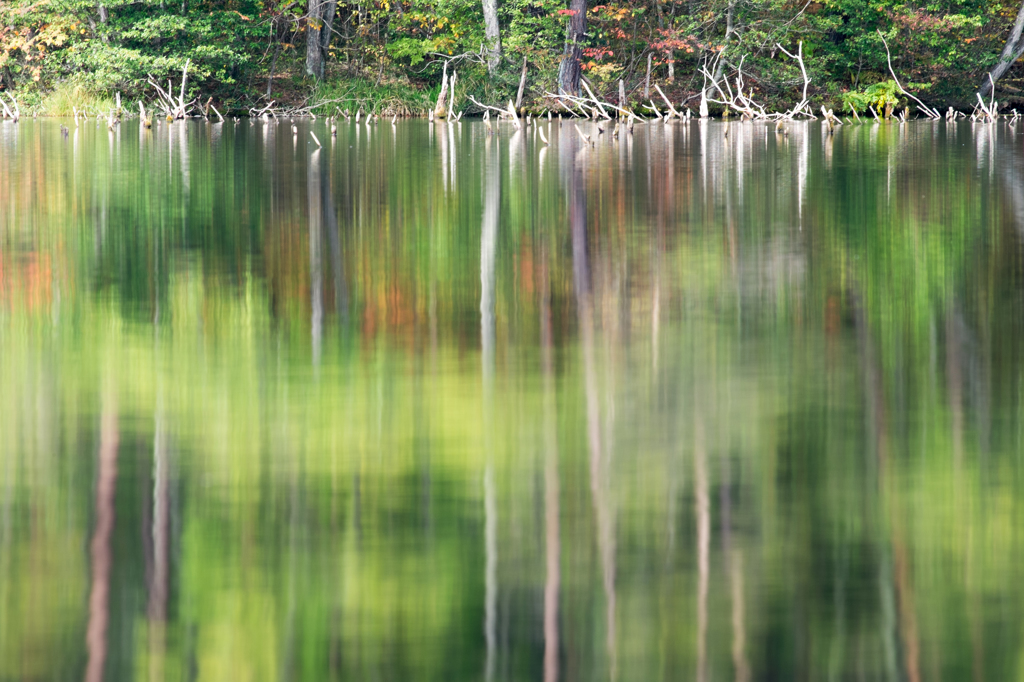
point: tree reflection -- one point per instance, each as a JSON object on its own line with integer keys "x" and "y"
{"x": 826, "y": 325}
{"x": 100, "y": 547}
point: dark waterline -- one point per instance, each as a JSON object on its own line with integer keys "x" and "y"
{"x": 705, "y": 402}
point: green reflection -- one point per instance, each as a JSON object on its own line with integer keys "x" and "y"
{"x": 430, "y": 403}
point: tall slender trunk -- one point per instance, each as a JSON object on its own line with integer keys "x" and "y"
{"x": 492, "y": 34}
{"x": 570, "y": 69}
{"x": 319, "y": 23}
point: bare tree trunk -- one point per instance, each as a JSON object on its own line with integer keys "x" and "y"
{"x": 522, "y": 86}
{"x": 492, "y": 34}
{"x": 569, "y": 71}
{"x": 318, "y": 35}
{"x": 1011, "y": 52}
{"x": 273, "y": 65}
{"x": 647, "y": 78}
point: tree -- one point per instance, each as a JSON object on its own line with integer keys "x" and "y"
{"x": 318, "y": 35}
{"x": 1012, "y": 51}
{"x": 492, "y": 34}
{"x": 569, "y": 70}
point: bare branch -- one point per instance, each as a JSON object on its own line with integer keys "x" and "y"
{"x": 670, "y": 107}
{"x": 799, "y": 57}
{"x": 888, "y": 58}
{"x": 580, "y": 101}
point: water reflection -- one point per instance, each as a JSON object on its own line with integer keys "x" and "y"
{"x": 436, "y": 403}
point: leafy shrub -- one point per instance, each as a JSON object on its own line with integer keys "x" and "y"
{"x": 883, "y": 97}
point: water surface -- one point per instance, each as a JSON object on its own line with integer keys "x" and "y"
{"x": 701, "y": 403}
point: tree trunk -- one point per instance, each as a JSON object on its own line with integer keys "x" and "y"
{"x": 570, "y": 69}
{"x": 318, "y": 35}
{"x": 522, "y": 86}
{"x": 492, "y": 35}
{"x": 1011, "y": 52}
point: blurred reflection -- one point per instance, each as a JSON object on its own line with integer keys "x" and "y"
{"x": 356, "y": 415}
{"x": 573, "y": 172}
{"x": 319, "y": 206}
{"x": 99, "y": 548}
{"x": 552, "y": 527}
{"x": 488, "y": 248}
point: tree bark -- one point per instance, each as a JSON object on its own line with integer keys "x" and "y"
{"x": 570, "y": 69}
{"x": 492, "y": 34}
{"x": 522, "y": 86}
{"x": 318, "y": 35}
{"x": 1012, "y": 51}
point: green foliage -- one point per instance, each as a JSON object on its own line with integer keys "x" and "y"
{"x": 883, "y": 97}
{"x": 238, "y": 46}
{"x": 47, "y": 44}
{"x": 851, "y": 391}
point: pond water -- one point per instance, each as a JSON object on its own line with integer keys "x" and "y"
{"x": 706, "y": 402}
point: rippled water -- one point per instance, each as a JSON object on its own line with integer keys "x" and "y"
{"x": 705, "y": 402}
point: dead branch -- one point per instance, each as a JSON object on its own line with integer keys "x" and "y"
{"x": 485, "y": 107}
{"x": 585, "y": 138}
{"x": 17, "y": 110}
{"x": 670, "y": 107}
{"x": 888, "y": 58}
{"x": 737, "y": 101}
{"x": 522, "y": 85}
{"x": 595, "y": 100}
{"x": 585, "y": 103}
{"x": 451, "y": 102}
{"x": 799, "y": 57}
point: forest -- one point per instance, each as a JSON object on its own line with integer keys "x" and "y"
{"x": 391, "y": 56}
